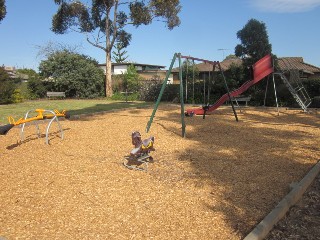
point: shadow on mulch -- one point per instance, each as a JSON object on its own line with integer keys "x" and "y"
{"x": 245, "y": 159}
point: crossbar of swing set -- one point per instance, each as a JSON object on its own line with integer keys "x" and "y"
{"x": 201, "y": 60}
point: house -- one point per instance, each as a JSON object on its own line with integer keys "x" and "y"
{"x": 146, "y": 71}
{"x": 205, "y": 69}
{"x": 12, "y": 72}
{"x": 306, "y": 70}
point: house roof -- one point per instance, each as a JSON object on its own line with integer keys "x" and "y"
{"x": 225, "y": 64}
{"x": 207, "y": 67}
{"x": 286, "y": 63}
{"x": 283, "y": 63}
{"x": 135, "y": 64}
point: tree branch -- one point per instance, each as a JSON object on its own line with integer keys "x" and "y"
{"x": 95, "y": 44}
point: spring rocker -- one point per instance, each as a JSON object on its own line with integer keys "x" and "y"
{"x": 42, "y": 114}
{"x": 139, "y": 156}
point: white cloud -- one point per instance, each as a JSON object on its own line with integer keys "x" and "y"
{"x": 282, "y": 6}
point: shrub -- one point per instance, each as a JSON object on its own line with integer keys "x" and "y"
{"x": 7, "y": 87}
{"x": 36, "y": 88}
{"x": 16, "y": 96}
{"x": 315, "y": 102}
{"x": 150, "y": 91}
{"x": 77, "y": 75}
{"x": 122, "y": 97}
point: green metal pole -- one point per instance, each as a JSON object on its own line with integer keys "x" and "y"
{"x": 181, "y": 98}
{"x": 161, "y": 93}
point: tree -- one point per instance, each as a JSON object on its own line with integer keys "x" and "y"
{"x": 105, "y": 21}
{"x": 3, "y": 10}
{"x": 77, "y": 75}
{"x": 190, "y": 70}
{"x": 49, "y": 48}
{"x": 230, "y": 56}
{"x": 254, "y": 42}
{"x": 7, "y": 87}
{"x": 119, "y": 54}
{"x": 131, "y": 79}
{"x": 254, "y": 46}
{"x": 35, "y": 86}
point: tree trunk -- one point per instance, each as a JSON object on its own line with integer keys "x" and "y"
{"x": 108, "y": 83}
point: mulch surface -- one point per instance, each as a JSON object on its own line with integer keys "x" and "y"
{"x": 217, "y": 183}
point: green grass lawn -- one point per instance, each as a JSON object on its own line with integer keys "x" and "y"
{"x": 75, "y": 107}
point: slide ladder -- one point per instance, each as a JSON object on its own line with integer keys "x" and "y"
{"x": 294, "y": 84}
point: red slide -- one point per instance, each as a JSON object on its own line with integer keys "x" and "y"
{"x": 261, "y": 69}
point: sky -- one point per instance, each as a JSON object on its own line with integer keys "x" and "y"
{"x": 208, "y": 30}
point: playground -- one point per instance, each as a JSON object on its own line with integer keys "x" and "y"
{"x": 218, "y": 182}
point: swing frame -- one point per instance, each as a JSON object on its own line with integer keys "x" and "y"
{"x": 165, "y": 82}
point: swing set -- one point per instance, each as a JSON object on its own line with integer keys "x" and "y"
{"x": 260, "y": 70}
{"x": 205, "y": 108}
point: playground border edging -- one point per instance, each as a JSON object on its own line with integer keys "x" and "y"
{"x": 266, "y": 225}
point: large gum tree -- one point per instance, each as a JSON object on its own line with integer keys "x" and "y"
{"x": 104, "y": 21}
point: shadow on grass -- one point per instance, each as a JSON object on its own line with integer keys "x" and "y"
{"x": 102, "y": 108}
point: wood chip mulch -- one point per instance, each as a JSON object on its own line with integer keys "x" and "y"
{"x": 217, "y": 183}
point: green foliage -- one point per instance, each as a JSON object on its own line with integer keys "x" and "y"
{"x": 35, "y": 87}
{"x": 105, "y": 17}
{"x": 230, "y": 56}
{"x": 168, "y": 10}
{"x": 16, "y": 96}
{"x": 235, "y": 76}
{"x": 284, "y": 96}
{"x": 119, "y": 56}
{"x": 3, "y": 10}
{"x": 77, "y": 75}
{"x": 189, "y": 70}
{"x": 28, "y": 71}
{"x": 315, "y": 102}
{"x": 139, "y": 13}
{"x": 150, "y": 91}
{"x": 117, "y": 82}
{"x": 23, "y": 87}
{"x": 97, "y": 16}
{"x": 7, "y": 87}
{"x": 312, "y": 86}
{"x": 254, "y": 42}
{"x": 131, "y": 79}
{"x": 254, "y": 46}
